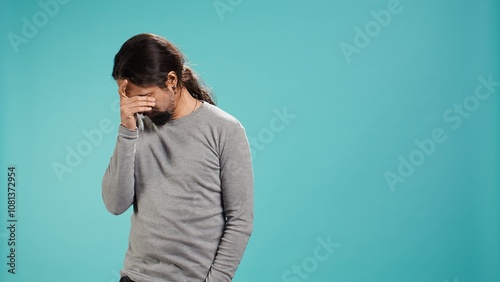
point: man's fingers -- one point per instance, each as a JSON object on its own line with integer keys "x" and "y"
{"x": 136, "y": 104}
{"x": 133, "y": 102}
{"x": 142, "y": 98}
{"x": 124, "y": 85}
{"x": 132, "y": 111}
{"x": 123, "y": 88}
{"x": 141, "y": 109}
{"x": 132, "y": 105}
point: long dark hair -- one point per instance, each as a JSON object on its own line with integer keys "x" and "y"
{"x": 146, "y": 59}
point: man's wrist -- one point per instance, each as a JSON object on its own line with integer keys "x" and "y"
{"x": 128, "y": 127}
{"x": 127, "y": 132}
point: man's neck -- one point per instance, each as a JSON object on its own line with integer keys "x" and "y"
{"x": 186, "y": 104}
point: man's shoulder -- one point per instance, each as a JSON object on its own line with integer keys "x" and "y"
{"x": 218, "y": 116}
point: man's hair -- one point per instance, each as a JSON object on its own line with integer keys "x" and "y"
{"x": 146, "y": 59}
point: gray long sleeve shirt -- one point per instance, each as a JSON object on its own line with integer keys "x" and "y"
{"x": 190, "y": 182}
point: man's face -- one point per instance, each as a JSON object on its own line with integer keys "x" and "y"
{"x": 164, "y": 101}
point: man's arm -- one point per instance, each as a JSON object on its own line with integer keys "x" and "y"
{"x": 118, "y": 181}
{"x": 237, "y": 193}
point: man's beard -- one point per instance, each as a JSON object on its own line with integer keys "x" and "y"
{"x": 160, "y": 118}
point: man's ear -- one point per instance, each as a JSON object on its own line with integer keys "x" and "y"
{"x": 171, "y": 79}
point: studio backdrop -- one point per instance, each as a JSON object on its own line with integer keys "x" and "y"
{"x": 373, "y": 126}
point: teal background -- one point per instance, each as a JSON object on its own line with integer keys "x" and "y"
{"x": 319, "y": 176}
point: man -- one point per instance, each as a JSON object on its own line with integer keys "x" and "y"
{"x": 183, "y": 164}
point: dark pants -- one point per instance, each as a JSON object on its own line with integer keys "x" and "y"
{"x": 126, "y": 279}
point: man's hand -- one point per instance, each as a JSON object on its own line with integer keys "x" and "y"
{"x": 129, "y": 106}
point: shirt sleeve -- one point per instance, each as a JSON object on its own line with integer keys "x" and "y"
{"x": 237, "y": 193}
{"x": 118, "y": 181}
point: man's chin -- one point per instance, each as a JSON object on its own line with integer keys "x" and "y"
{"x": 160, "y": 118}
